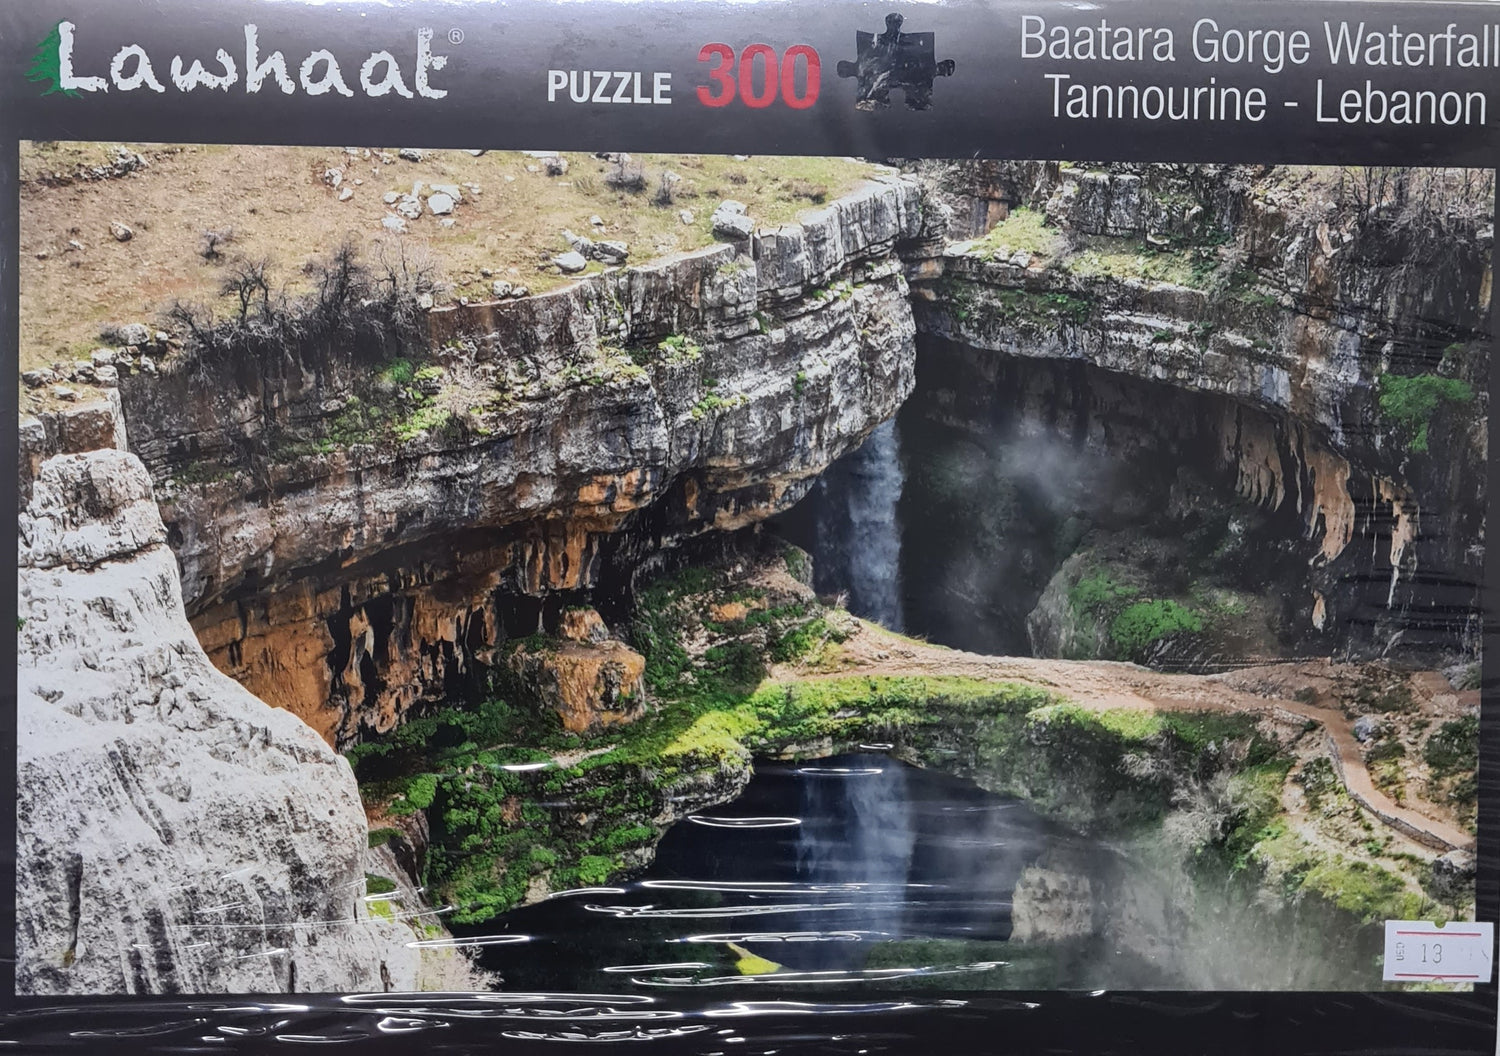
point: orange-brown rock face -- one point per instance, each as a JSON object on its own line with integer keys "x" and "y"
{"x": 589, "y": 684}
{"x": 353, "y": 545}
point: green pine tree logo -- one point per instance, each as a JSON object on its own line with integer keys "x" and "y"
{"x": 45, "y": 65}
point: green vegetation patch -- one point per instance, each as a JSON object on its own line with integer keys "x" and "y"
{"x": 1125, "y": 258}
{"x": 1140, "y": 626}
{"x": 1135, "y": 624}
{"x": 1024, "y": 229}
{"x": 1410, "y": 403}
{"x": 1453, "y": 748}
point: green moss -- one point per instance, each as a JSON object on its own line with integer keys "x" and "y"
{"x": 381, "y": 837}
{"x": 378, "y": 885}
{"x": 427, "y": 417}
{"x": 1410, "y": 403}
{"x": 1125, "y": 258}
{"x": 1099, "y": 594}
{"x": 1023, "y": 229}
{"x": 1363, "y": 889}
{"x": 1140, "y": 626}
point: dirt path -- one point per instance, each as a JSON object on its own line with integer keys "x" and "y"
{"x": 1101, "y": 685}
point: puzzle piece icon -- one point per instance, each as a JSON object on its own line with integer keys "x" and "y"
{"x": 894, "y": 60}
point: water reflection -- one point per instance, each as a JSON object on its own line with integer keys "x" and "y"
{"x": 851, "y": 870}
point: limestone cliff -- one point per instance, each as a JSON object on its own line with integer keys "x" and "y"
{"x": 1334, "y": 329}
{"x": 176, "y": 835}
{"x": 359, "y": 524}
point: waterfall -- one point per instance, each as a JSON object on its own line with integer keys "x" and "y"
{"x": 858, "y": 545}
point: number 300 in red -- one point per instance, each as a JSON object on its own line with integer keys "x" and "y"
{"x": 758, "y": 77}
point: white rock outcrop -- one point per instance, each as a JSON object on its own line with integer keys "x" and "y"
{"x": 175, "y": 833}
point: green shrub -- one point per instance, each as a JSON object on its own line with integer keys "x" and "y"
{"x": 421, "y": 790}
{"x": 378, "y": 885}
{"x": 1453, "y": 747}
{"x": 1410, "y": 402}
{"x": 1098, "y": 594}
{"x": 399, "y": 371}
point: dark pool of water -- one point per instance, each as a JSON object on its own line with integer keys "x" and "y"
{"x": 851, "y": 869}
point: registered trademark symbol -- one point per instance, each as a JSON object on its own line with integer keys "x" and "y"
{"x": 455, "y": 36}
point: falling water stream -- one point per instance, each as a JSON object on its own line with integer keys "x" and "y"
{"x": 858, "y": 543}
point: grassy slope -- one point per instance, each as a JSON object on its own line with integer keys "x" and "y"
{"x": 278, "y": 206}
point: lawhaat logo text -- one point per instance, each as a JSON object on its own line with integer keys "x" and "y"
{"x": 319, "y": 73}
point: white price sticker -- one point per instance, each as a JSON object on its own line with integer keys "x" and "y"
{"x": 1417, "y": 951}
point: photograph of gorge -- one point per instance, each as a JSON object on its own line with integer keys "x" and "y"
{"x": 721, "y": 577}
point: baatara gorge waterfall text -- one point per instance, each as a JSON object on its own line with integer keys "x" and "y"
{"x": 566, "y": 573}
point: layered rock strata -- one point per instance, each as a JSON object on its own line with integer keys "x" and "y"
{"x": 348, "y": 577}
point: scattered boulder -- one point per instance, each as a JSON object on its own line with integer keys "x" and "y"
{"x": 583, "y": 624}
{"x": 686, "y": 216}
{"x": 611, "y": 252}
{"x": 108, "y": 376}
{"x": 570, "y": 263}
{"x": 425, "y": 302}
{"x": 596, "y": 220}
{"x": 102, "y": 357}
{"x": 452, "y": 190}
{"x": 393, "y": 223}
{"x": 333, "y": 177}
{"x": 1453, "y": 877}
{"x": 589, "y": 684}
{"x": 391, "y": 197}
{"x": 555, "y": 166}
{"x": 579, "y": 243}
{"x": 62, "y": 392}
{"x": 500, "y": 288}
{"x": 731, "y": 221}
{"x": 346, "y": 194}
{"x": 1367, "y": 728}
{"x": 35, "y": 379}
{"x": 121, "y": 232}
{"x": 125, "y": 333}
{"x": 410, "y": 206}
{"x": 410, "y": 154}
{"x": 441, "y": 204}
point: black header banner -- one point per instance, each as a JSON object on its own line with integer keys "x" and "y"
{"x": 1265, "y": 82}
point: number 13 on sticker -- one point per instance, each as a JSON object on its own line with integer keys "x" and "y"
{"x": 1418, "y": 951}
